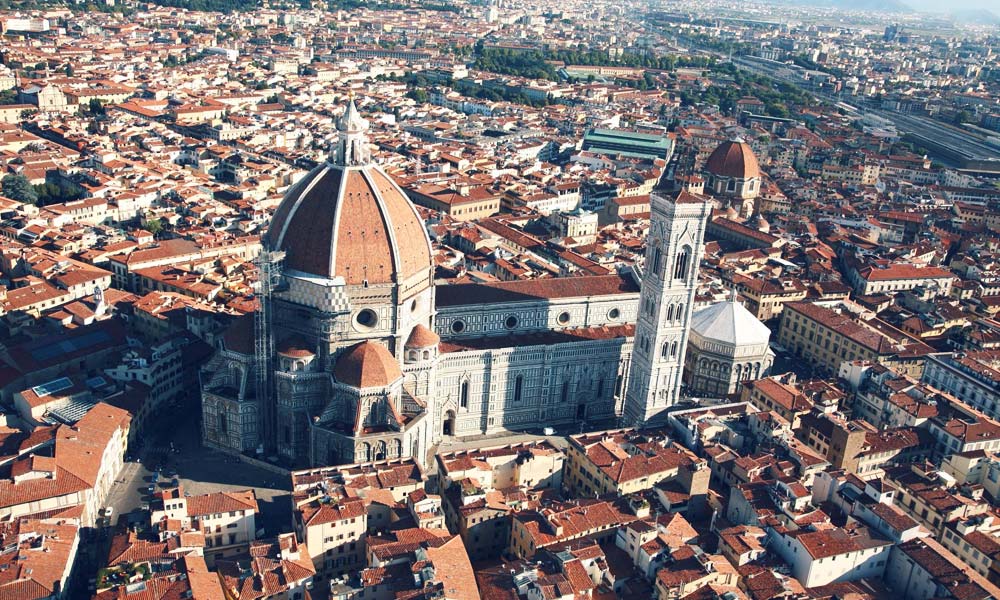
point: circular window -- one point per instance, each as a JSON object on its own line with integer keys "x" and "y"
{"x": 457, "y": 326}
{"x": 366, "y": 318}
{"x": 511, "y": 322}
{"x": 614, "y": 313}
{"x": 563, "y": 318}
{"x": 413, "y": 305}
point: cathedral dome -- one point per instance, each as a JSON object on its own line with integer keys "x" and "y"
{"x": 734, "y": 159}
{"x": 422, "y": 337}
{"x": 368, "y": 364}
{"x": 348, "y": 219}
{"x": 729, "y": 323}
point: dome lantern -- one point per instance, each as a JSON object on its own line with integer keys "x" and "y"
{"x": 352, "y": 147}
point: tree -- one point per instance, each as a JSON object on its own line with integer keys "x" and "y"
{"x": 154, "y": 226}
{"x": 17, "y": 187}
{"x": 69, "y": 70}
{"x": 420, "y": 96}
{"x": 96, "y": 108}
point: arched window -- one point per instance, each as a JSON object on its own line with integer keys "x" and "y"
{"x": 657, "y": 259}
{"x": 565, "y": 391}
{"x": 670, "y": 313}
{"x": 600, "y": 388}
{"x": 681, "y": 263}
{"x": 518, "y": 386}
{"x": 463, "y": 396}
{"x": 223, "y": 423}
{"x": 673, "y": 349}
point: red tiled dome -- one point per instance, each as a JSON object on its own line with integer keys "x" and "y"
{"x": 295, "y": 347}
{"x": 368, "y": 364}
{"x": 352, "y": 222}
{"x": 422, "y": 337}
{"x": 735, "y": 159}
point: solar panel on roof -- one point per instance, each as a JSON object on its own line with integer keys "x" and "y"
{"x": 71, "y": 412}
{"x": 96, "y": 382}
{"x": 67, "y": 346}
{"x": 52, "y": 387}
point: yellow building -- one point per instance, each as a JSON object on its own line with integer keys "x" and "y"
{"x": 532, "y": 530}
{"x": 460, "y": 201}
{"x": 625, "y": 461}
{"x": 765, "y": 298}
{"x": 827, "y": 337}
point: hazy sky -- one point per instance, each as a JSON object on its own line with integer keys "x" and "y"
{"x": 952, "y": 5}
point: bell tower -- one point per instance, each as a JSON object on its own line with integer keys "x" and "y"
{"x": 673, "y": 249}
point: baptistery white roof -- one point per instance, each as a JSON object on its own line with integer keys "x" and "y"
{"x": 730, "y": 323}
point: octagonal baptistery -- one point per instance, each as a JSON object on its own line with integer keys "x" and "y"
{"x": 355, "y": 251}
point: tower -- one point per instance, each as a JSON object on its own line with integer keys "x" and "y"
{"x": 673, "y": 249}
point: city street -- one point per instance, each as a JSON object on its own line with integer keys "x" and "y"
{"x": 199, "y": 471}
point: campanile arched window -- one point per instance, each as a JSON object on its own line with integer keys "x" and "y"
{"x": 681, "y": 263}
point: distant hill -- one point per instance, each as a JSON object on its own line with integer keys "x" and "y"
{"x": 973, "y": 16}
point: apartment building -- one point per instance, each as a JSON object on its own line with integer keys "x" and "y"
{"x": 625, "y": 461}
{"x": 533, "y": 530}
{"x": 827, "y": 336}
{"x": 822, "y": 556}
{"x": 931, "y": 500}
{"x": 972, "y": 377}
{"x": 766, "y": 297}
{"x": 227, "y": 519}
{"x": 331, "y": 521}
{"x": 901, "y": 277}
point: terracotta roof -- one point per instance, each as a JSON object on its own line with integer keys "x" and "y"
{"x": 734, "y": 158}
{"x": 351, "y": 223}
{"x": 453, "y": 569}
{"x": 534, "y": 289}
{"x": 220, "y": 502}
{"x": 295, "y": 347}
{"x": 368, "y": 364}
{"x": 422, "y": 337}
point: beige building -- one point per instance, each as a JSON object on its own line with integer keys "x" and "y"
{"x": 532, "y": 465}
{"x": 900, "y": 277}
{"x": 227, "y": 519}
{"x": 827, "y": 336}
{"x": 84, "y": 461}
{"x": 461, "y": 201}
{"x": 625, "y": 461}
{"x": 533, "y": 530}
{"x": 332, "y": 524}
{"x": 484, "y": 486}
{"x": 765, "y": 298}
